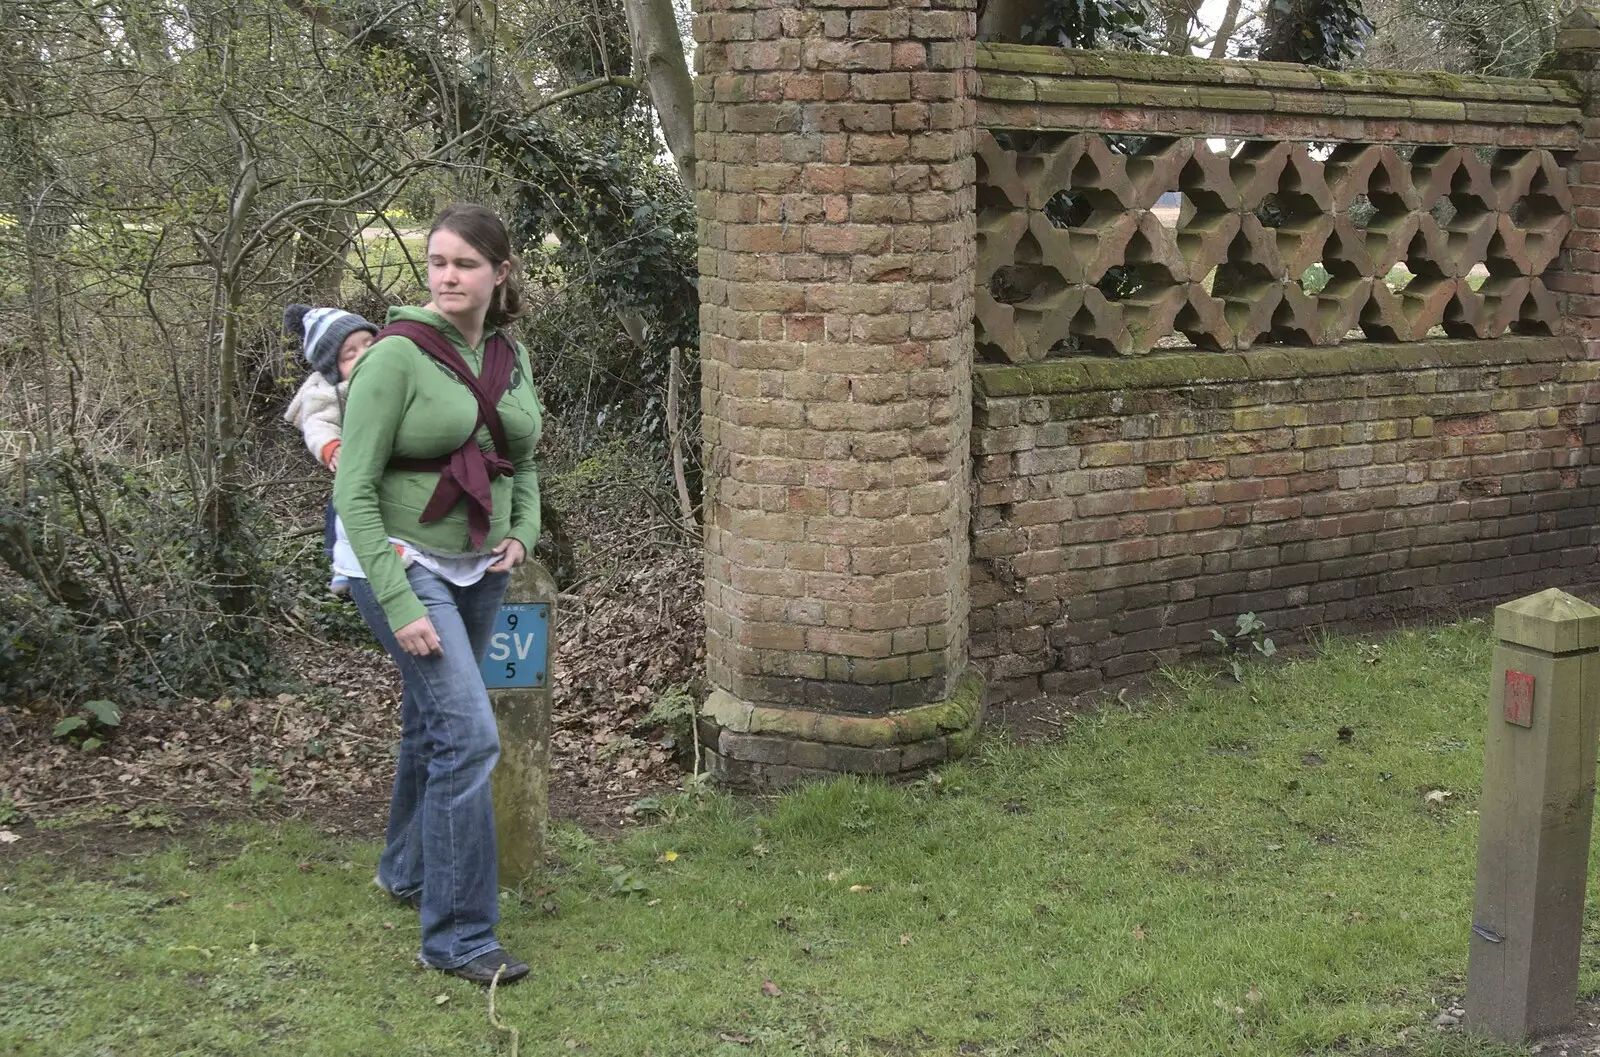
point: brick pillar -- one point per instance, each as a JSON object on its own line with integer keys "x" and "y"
{"x": 835, "y": 192}
{"x": 1575, "y": 278}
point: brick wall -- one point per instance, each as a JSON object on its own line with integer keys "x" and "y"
{"x": 1089, "y": 501}
{"x": 1125, "y": 507}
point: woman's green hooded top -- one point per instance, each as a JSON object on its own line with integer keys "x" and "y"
{"x": 404, "y": 404}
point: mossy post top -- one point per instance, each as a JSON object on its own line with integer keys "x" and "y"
{"x": 1551, "y": 621}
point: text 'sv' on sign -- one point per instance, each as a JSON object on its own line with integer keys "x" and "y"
{"x": 519, "y": 649}
{"x": 1519, "y": 698}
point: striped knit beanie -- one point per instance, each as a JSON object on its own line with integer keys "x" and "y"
{"x": 323, "y": 331}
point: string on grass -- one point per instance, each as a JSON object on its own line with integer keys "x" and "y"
{"x": 516, "y": 1036}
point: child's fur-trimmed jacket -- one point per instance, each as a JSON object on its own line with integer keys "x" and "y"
{"x": 317, "y": 411}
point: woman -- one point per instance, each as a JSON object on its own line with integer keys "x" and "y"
{"x": 439, "y": 500}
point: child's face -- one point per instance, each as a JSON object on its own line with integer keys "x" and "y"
{"x": 351, "y": 351}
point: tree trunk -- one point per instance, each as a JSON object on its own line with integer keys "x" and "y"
{"x": 658, "y": 56}
{"x": 1230, "y": 21}
{"x": 230, "y": 564}
{"x": 1177, "y": 16}
{"x": 319, "y": 254}
{"x": 1002, "y": 20}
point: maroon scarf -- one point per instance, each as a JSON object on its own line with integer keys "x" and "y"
{"x": 466, "y": 472}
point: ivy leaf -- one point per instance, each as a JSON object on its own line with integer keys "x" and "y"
{"x": 68, "y": 725}
{"x": 107, "y": 713}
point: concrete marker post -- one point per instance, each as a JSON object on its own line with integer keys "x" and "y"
{"x": 517, "y": 671}
{"x": 1534, "y": 819}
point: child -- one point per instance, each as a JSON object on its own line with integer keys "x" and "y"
{"x": 334, "y": 340}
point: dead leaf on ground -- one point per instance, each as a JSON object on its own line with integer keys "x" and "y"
{"x": 860, "y": 888}
{"x": 1139, "y": 933}
{"x": 770, "y": 989}
{"x": 1437, "y": 796}
{"x": 905, "y": 939}
{"x": 736, "y": 1037}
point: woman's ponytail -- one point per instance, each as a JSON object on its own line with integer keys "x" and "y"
{"x": 509, "y": 299}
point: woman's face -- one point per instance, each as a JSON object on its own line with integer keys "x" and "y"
{"x": 460, "y": 278}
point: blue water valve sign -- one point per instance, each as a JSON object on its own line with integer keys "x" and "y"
{"x": 519, "y": 649}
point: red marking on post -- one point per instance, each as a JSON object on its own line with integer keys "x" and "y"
{"x": 1519, "y": 698}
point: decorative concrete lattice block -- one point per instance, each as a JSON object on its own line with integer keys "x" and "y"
{"x": 1271, "y": 244}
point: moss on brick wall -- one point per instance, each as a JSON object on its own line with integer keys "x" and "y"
{"x": 1134, "y": 66}
{"x": 1082, "y": 373}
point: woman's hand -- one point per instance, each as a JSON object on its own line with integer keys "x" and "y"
{"x": 512, "y": 554}
{"x": 418, "y": 638}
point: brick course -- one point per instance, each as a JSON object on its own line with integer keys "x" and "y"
{"x": 1081, "y": 573}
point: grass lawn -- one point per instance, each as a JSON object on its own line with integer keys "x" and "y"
{"x": 1211, "y": 871}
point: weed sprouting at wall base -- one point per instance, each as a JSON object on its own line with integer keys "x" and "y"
{"x": 1248, "y": 639}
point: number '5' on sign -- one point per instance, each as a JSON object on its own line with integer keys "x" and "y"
{"x": 519, "y": 648}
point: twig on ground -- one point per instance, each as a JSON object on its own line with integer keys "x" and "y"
{"x": 25, "y": 804}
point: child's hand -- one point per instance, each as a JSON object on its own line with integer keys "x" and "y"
{"x": 333, "y": 460}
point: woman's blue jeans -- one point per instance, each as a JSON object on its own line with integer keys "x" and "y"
{"x": 441, "y": 820}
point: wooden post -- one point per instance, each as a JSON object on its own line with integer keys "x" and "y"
{"x": 517, "y": 672}
{"x": 1533, "y": 827}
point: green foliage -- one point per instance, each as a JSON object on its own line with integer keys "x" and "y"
{"x": 91, "y": 727}
{"x": 152, "y": 816}
{"x": 1248, "y": 638}
{"x": 104, "y": 713}
{"x": 625, "y": 882}
{"x": 626, "y": 230}
{"x": 1094, "y": 24}
{"x": 115, "y": 598}
{"x": 10, "y": 813}
{"x": 674, "y": 711}
{"x": 265, "y": 785}
{"x": 1315, "y": 279}
{"x": 1326, "y": 33}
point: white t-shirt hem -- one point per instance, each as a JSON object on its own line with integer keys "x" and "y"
{"x": 463, "y": 570}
